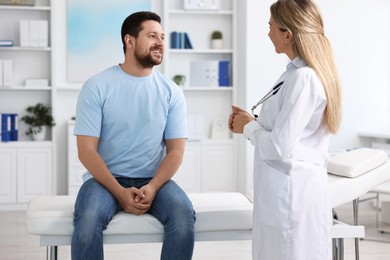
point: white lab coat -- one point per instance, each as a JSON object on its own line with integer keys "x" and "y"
{"x": 292, "y": 215}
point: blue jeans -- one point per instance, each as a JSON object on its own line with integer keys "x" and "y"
{"x": 95, "y": 206}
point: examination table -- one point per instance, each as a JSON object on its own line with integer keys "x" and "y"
{"x": 220, "y": 216}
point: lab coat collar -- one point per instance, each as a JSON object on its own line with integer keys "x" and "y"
{"x": 297, "y": 63}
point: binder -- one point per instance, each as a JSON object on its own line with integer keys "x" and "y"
{"x": 175, "y": 41}
{"x": 181, "y": 40}
{"x": 43, "y": 33}
{"x": 24, "y": 33}
{"x": 14, "y": 127}
{"x": 5, "y": 127}
{"x": 187, "y": 41}
{"x": 7, "y": 72}
{"x": 223, "y": 73}
{"x": 34, "y": 33}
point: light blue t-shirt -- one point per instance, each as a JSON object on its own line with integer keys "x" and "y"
{"x": 132, "y": 116}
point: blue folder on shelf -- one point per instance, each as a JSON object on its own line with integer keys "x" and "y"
{"x": 223, "y": 73}
{"x": 5, "y": 127}
{"x": 9, "y": 127}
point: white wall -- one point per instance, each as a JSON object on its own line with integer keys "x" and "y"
{"x": 359, "y": 31}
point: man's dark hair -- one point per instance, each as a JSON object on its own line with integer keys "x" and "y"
{"x": 132, "y": 25}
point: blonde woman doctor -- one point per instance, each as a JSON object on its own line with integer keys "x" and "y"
{"x": 292, "y": 215}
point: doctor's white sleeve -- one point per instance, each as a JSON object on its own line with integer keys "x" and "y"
{"x": 301, "y": 101}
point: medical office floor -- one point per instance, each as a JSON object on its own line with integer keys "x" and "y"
{"x": 16, "y": 244}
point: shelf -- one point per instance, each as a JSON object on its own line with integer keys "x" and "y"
{"x": 206, "y": 89}
{"x": 23, "y": 88}
{"x": 201, "y": 12}
{"x": 211, "y": 141}
{"x": 17, "y": 48}
{"x": 200, "y": 51}
{"x": 70, "y": 87}
{"x": 26, "y": 7}
{"x": 26, "y": 144}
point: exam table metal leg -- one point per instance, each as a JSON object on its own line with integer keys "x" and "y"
{"x": 338, "y": 249}
{"x": 377, "y": 212}
{"x": 355, "y": 220}
{"x": 51, "y": 253}
{"x": 377, "y": 226}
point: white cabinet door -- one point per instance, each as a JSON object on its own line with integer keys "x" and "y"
{"x": 8, "y": 175}
{"x": 189, "y": 175}
{"x": 207, "y": 168}
{"x": 218, "y": 168}
{"x": 34, "y": 172}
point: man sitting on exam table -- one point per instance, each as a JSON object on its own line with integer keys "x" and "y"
{"x": 131, "y": 130}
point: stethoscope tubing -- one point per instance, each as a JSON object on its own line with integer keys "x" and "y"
{"x": 267, "y": 96}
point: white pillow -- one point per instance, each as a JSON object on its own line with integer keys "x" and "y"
{"x": 356, "y": 162}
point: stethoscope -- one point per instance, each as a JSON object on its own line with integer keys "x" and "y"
{"x": 267, "y": 96}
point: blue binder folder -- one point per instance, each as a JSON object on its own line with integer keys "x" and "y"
{"x": 5, "y": 127}
{"x": 14, "y": 127}
{"x": 223, "y": 75}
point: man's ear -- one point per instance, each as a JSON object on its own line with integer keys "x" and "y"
{"x": 129, "y": 40}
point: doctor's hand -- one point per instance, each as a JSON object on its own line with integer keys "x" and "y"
{"x": 238, "y": 119}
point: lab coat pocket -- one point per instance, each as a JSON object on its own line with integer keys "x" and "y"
{"x": 273, "y": 196}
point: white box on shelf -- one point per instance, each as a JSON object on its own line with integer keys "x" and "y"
{"x": 24, "y": 33}
{"x": 7, "y": 72}
{"x": 201, "y": 4}
{"x": 204, "y": 73}
{"x": 43, "y": 33}
{"x": 1, "y": 74}
{"x": 34, "y": 33}
{"x": 37, "y": 82}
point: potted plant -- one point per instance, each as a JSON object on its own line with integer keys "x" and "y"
{"x": 179, "y": 80}
{"x": 38, "y": 118}
{"x": 216, "y": 40}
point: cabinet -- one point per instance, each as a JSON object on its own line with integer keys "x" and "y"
{"x": 27, "y": 170}
{"x": 209, "y": 164}
{"x": 27, "y": 62}
{"x": 207, "y": 102}
{"x": 207, "y": 167}
{"x": 27, "y": 166}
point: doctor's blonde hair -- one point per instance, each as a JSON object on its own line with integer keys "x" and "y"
{"x": 303, "y": 20}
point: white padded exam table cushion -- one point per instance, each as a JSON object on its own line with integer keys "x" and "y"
{"x": 356, "y": 162}
{"x": 214, "y": 212}
{"x": 369, "y": 167}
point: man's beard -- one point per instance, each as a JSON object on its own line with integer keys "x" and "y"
{"x": 147, "y": 60}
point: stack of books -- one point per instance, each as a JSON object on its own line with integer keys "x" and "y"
{"x": 180, "y": 40}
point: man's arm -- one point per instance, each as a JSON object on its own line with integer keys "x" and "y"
{"x": 168, "y": 168}
{"x": 91, "y": 159}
